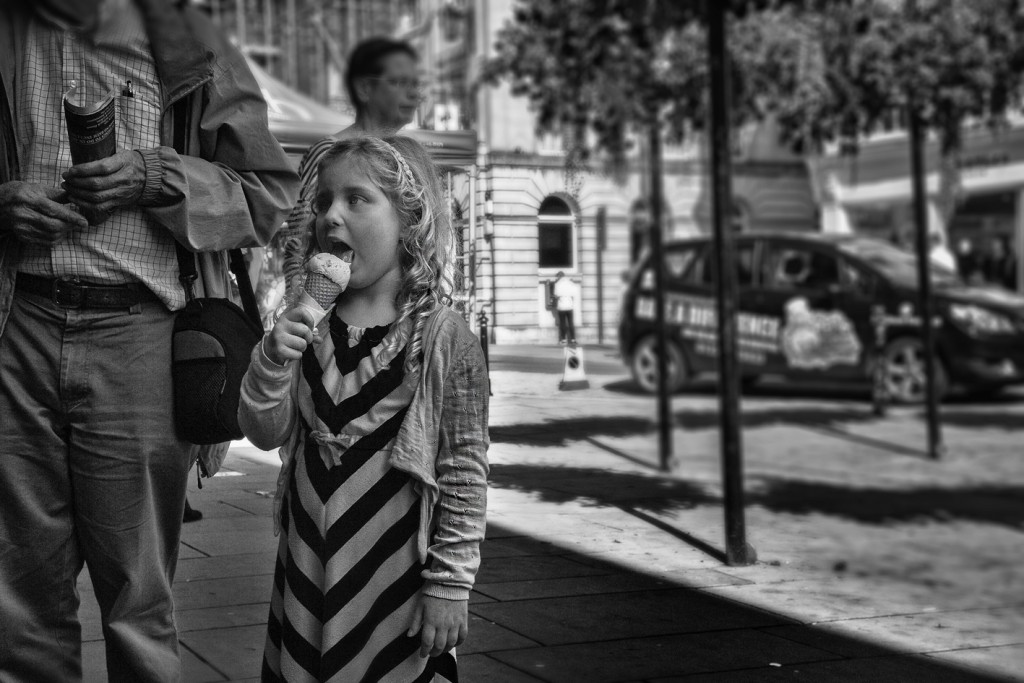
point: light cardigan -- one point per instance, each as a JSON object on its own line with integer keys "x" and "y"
{"x": 442, "y": 442}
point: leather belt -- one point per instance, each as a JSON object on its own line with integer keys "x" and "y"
{"x": 72, "y": 293}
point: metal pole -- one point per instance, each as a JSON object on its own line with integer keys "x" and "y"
{"x": 738, "y": 552}
{"x": 268, "y": 32}
{"x": 470, "y": 283}
{"x": 879, "y": 391}
{"x": 485, "y": 346}
{"x": 1018, "y": 242}
{"x": 658, "y": 266}
{"x": 484, "y": 342}
{"x": 291, "y": 41}
{"x": 924, "y": 279}
{"x": 240, "y": 21}
{"x": 602, "y": 236}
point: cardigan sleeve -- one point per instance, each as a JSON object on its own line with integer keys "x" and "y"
{"x": 267, "y": 409}
{"x": 454, "y": 553}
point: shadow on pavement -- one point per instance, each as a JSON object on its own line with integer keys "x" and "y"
{"x": 562, "y": 431}
{"x": 1010, "y": 421}
{"x": 602, "y": 487}
{"x": 831, "y": 392}
{"x": 1002, "y": 505}
{"x": 543, "y": 612}
{"x": 859, "y": 394}
{"x": 839, "y": 421}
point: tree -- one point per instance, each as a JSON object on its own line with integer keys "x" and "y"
{"x": 847, "y": 72}
{"x": 608, "y": 68}
{"x": 827, "y": 70}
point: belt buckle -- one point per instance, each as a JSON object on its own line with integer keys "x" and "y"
{"x": 67, "y": 292}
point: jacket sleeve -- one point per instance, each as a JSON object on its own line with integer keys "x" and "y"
{"x": 454, "y": 553}
{"x": 267, "y": 408}
{"x": 237, "y": 188}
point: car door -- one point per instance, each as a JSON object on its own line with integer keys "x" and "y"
{"x": 823, "y": 311}
{"x": 701, "y": 309}
{"x": 679, "y": 287}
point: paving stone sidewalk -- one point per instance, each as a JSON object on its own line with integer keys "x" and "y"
{"x": 599, "y": 568}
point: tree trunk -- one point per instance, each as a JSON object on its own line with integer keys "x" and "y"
{"x": 950, "y": 187}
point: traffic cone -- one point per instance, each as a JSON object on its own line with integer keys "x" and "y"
{"x": 573, "y": 376}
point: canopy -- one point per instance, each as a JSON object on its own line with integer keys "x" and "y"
{"x": 297, "y": 121}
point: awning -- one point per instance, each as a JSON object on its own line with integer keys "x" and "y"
{"x": 452, "y": 148}
{"x": 297, "y": 121}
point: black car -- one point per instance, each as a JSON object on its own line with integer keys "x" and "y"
{"x": 806, "y": 302}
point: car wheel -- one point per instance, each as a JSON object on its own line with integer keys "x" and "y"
{"x": 905, "y": 380}
{"x": 644, "y": 365}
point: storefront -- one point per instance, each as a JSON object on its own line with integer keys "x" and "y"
{"x": 871, "y": 194}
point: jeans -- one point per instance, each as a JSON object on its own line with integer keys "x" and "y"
{"x": 91, "y": 471}
{"x": 566, "y": 330}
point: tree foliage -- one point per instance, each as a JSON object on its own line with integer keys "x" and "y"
{"x": 607, "y": 67}
{"x": 860, "y": 66}
{"x": 961, "y": 60}
{"x": 826, "y": 70}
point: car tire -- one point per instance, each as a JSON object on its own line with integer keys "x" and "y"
{"x": 644, "y": 365}
{"x": 905, "y": 380}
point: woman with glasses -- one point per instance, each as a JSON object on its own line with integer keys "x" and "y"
{"x": 384, "y": 88}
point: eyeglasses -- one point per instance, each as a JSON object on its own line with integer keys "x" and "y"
{"x": 401, "y": 83}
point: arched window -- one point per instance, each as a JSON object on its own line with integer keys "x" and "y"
{"x": 556, "y": 235}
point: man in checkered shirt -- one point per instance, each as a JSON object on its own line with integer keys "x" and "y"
{"x": 91, "y": 468}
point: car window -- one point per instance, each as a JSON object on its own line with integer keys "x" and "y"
{"x": 897, "y": 265}
{"x": 703, "y": 272}
{"x": 857, "y": 279}
{"x": 677, "y": 263}
{"x": 798, "y": 267}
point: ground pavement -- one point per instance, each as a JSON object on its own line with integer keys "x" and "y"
{"x": 874, "y": 563}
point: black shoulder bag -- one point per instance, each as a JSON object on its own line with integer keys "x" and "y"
{"x": 213, "y": 339}
{"x": 211, "y": 344}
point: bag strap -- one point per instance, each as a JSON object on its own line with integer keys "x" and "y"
{"x": 245, "y": 286}
{"x": 187, "y": 273}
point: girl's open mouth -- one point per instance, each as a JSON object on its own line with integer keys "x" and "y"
{"x": 343, "y": 251}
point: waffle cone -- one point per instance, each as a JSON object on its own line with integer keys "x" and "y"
{"x": 322, "y": 289}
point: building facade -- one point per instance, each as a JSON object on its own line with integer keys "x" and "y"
{"x": 522, "y": 214}
{"x": 540, "y": 218}
{"x": 871, "y": 193}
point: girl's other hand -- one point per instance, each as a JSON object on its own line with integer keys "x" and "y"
{"x": 290, "y": 336}
{"x": 442, "y": 624}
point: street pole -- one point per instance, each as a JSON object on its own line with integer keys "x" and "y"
{"x": 658, "y": 266}
{"x": 240, "y": 22}
{"x": 601, "y": 226}
{"x": 738, "y": 552}
{"x": 291, "y": 43}
{"x": 924, "y": 279}
{"x": 268, "y": 33}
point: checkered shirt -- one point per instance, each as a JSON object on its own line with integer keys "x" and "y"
{"x": 128, "y": 246}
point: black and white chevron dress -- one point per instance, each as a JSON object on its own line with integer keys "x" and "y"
{"x": 347, "y": 577}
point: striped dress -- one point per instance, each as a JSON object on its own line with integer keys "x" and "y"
{"x": 347, "y": 577}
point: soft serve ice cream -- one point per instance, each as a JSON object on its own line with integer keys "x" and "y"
{"x": 326, "y": 277}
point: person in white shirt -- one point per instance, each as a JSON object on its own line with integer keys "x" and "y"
{"x": 940, "y": 254}
{"x": 565, "y": 292}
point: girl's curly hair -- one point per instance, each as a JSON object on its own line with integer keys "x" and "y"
{"x": 404, "y": 172}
